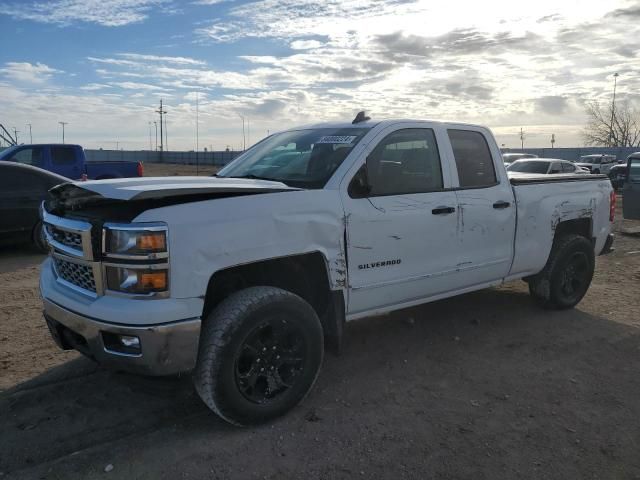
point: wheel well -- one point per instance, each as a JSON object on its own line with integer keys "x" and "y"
{"x": 577, "y": 226}
{"x": 305, "y": 275}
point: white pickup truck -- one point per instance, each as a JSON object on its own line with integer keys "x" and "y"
{"x": 245, "y": 277}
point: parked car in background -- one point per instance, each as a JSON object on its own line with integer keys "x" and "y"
{"x": 617, "y": 175}
{"x": 598, "y": 163}
{"x": 631, "y": 188}
{"x": 70, "y": 161}
{"x": 22, "y": 190}
{"x": 509, "y": 158}
{"x": 545, "y": 166}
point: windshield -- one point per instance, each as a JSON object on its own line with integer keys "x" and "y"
{"x": 299, "y": 158}
{"x": 7, "y": 152}
{"x": 529, "y": 167}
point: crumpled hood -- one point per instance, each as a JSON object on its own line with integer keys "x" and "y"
{"x": 163, "y": 187}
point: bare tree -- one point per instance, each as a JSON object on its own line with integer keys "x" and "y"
{"x": 626, "y": 125}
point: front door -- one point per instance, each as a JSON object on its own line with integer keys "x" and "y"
{"x": 64, "y": 162}
{"x": 631, "y": 191}
{"x": 401, "y": 236}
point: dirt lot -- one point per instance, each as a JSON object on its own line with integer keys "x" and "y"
{"x": 483, "y": 386}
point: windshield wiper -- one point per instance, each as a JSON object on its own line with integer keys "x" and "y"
{"x": 255, "y": 177}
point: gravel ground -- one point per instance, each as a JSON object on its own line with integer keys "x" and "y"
{"x": 482, "y": 386}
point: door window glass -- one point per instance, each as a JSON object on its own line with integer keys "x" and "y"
{"x": 63, "y": 156}
{"x": 473, "y": 158}
{"x": 28, "y": 156}
{"x": 568, "y": 168}
{"x": 406, "y": 161}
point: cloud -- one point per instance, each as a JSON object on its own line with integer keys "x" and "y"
{"x": 157, "y": 58}
{"x": 109, "y": 13}
{"x": 305, "y": 44}
{"x": 25, "y": 72}
{"x": 552, "y": 104}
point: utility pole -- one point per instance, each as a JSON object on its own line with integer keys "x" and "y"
{"x": 248, "y": 133}
{"x": 30, "y": 135}
{"x": 244, "y": 143}
{"x": 15, "y": 134}
{"x": 553, "y": 139}
{"x": 161, "y": 112}
{"x": 63, "y": 124}
{"x": 166, "y": 133}
{"x": 521, "y": 138}
{"x": 197, "y": 162}
{"x": 156, "y": 124}
{"x": 150, "y": 146}
{"x": 613, "y": 108}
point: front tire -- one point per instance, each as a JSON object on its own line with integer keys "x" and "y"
{"x": 260, "y": 354}
{"x": 566, "y": 277}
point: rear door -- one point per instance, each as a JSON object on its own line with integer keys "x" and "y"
{"x": 65, "y": 162}
{"x": 486, "y": 214}
{"x": 631, "y": 191}
{"x": 21, "y": 191}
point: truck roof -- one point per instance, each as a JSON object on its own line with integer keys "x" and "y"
{"x": 372, "y": 123}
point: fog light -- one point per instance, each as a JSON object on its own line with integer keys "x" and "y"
{"x": 129, "y": 341}
{"x": 121, "y": 344}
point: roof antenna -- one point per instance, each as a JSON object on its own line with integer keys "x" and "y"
{"x": 360, "y": 117}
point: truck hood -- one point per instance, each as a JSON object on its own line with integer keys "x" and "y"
{"x": 163, "y": 187}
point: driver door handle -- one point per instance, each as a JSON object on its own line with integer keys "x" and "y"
{"x": 443, "y": 210}
{"x": 501, "y": 204}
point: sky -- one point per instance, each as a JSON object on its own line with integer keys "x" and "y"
{"x": 103, "y": 66}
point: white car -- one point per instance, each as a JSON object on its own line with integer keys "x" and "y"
{"x": 598, "y": 163}
{"x": 545, "y": 166}
{"x": 509, "y": 158}
{"x": 243, "y": 278}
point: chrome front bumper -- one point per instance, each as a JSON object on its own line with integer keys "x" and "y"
{"x": 165, "y": 349}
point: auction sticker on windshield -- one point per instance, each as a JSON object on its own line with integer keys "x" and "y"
{"x": 337, "y": 139}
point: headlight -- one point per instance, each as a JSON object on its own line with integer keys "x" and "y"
{"x": 137, "y": 280}
{"x": 135, "y": 241}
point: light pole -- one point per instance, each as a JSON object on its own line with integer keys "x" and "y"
{"x": 63, "y": 124}
{"x": 30, "y": 135}
{"x": 156, "y": 124}
{"x": 150, "y": 146}
{"x": 244, "y": 142}
{"x": 613, "y": 108}
{"x": 521, "y": 138}
{"x": 553, "y": 139}
{"x": 15, "y": 134}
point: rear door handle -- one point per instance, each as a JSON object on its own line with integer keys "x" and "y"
{"x": 501, "y": 204}
{"x": 443, "y": 210}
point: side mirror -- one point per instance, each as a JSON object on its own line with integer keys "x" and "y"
{"x": 359, "y": 186}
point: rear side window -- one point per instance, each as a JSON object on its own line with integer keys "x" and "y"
{"x": 63, "y": 155}
{"x": 28, "y": 156}
{"x": 473, "y": 158}
{"x": 406, "y": 161}
{"x": 568, "y": 168}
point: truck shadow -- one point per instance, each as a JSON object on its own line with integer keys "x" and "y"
{"x": 434, "y": 365}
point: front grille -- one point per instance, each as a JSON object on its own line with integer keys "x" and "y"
{"x": 79, "y": 275}
{"x": 70, "y": 239}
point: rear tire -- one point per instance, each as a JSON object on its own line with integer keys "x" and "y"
{"x": 566, "y": 277}
{"x": 260, "y": 354}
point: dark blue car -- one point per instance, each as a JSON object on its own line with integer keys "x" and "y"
{"x": 69, "y": 161}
